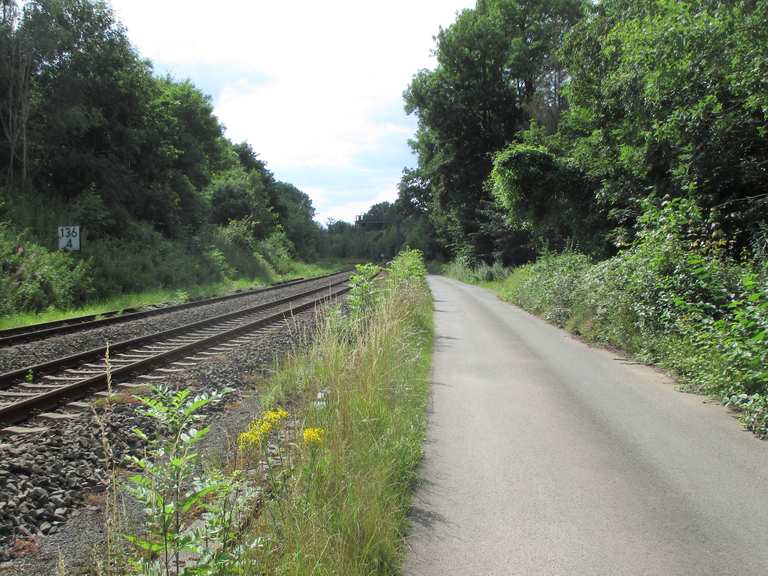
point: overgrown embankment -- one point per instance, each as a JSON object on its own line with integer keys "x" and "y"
{"x": 321, "y": 482}
{"x": 41, "y": 285}
{"x": 365, "y": 384}
{"x": 674, "y": 298}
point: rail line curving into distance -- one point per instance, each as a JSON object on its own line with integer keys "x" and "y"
{"x": 21, "y": 334}
{"x": 27, "y": 391}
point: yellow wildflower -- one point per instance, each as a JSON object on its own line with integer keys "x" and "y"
{"x": 313, "y": 436}
{"x": 275, "y": 416}
{"x": 259, "y": 429}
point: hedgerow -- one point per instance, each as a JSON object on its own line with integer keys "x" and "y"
{"x": 674, "y": 298}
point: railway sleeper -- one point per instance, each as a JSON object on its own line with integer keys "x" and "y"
{"x": 77, "y": 405}
{"x": 38, "y": 386}
{"x": 58, "y": 416}
{"x": 24, "y": 430}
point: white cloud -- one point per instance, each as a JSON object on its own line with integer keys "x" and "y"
{"x": 314, "y": 84}
{"x": 346, "y": 210}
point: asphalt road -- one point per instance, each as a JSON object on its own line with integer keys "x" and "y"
{"x": 548, "y": 456}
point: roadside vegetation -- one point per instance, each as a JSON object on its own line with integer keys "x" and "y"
{"x": 363, "y": 388}
{"x": 321, "y": 482}
{"x": 674, "y": 298}
{"x": 603, "y": 164}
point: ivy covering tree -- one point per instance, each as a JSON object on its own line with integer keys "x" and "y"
{"x": 547, "y": 124}
{"x": 497, "y": 69}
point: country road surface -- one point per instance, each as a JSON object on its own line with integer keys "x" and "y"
{"x": 545, "y": 456}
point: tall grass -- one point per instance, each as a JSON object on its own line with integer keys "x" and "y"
{"x": 365, "y": 385}
{"x": 473, "y": 274}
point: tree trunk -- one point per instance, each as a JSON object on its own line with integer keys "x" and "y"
{"x": 14, "y": 110}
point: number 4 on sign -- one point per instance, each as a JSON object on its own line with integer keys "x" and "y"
{"x": 69, "y": 238}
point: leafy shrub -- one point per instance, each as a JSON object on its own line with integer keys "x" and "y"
{"x": 362, "y": 294}
{"x": 548, "y": 286}
{"x": 460, "y": 270}
{"x": 671, "y": 273}
{"x": 144, "y": 259}
{"x": 407, "y": 268}
{"x": 277, "y": 249}
{"x": 406, "y": 273}
{"x": 754, "y": 409}
{"x": 235, "y": 242}
{"x": 673, "y": 298}
{"x": 34, "y": 278}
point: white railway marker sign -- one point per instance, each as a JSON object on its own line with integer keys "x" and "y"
{"x": 69, "y": 238}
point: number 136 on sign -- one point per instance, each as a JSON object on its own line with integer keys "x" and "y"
{"x": 69, "y": 237}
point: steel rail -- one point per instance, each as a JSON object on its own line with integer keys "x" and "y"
{"x": 12, "y": 377}
{"x": 21, "y": 410}
{"x": 20, "y": 334}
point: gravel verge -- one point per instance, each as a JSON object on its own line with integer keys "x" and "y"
{"x": 51, "y": 485}
{"x": 25, "y": 354}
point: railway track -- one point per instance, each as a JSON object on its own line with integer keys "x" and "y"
{"x": 60, "y": 383}
{"x": 13, "y": 336}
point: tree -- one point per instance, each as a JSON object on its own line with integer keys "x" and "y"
{"x": 249, "y": 160}
{"x": 669, "y": 98}
{"x": 240, "y": 195}
{"x": 497, "y": 66}
{"x": 294, "y": 211}
{"x": 546, "y": 196}
{"x": 16, "y": 61}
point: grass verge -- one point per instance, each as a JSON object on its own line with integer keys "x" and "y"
{"x": 157, "y": 297}
{"x": 363, "y": 387}
{"x": 321, "y": 482}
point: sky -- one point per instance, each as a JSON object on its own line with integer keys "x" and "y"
{"x": 314, "y": 86}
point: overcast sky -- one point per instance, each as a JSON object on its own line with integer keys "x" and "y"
{"x": 314, "y": 86}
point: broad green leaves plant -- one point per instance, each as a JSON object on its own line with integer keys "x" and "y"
{"x": 174, "y": 491}
{"x": 362, "y": 293}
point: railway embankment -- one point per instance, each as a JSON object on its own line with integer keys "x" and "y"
{"x": 54, "y": 466}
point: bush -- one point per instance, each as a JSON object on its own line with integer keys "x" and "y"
{"x": 548, "y": 286}
{"x": 461, "y": 270}
{"x": 277, "y": 250}
{"x": 145, "y": 260}
{"x": 235, "y": 242}
{"x": 34, "y": 278}
{"x": 673, "y": 298}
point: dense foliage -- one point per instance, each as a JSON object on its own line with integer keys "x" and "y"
{"x": 669, "y": 300}
{"x": 92, "y": 136}
{"x": 549, "y": 124}
{"x": 379, "y": 234}
{"x": 644, "y": 194}
{"x": 497, "y": 69}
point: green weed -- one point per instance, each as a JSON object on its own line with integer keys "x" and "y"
{"x": 361, "y": 423}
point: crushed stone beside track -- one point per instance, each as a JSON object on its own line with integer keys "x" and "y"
{"x": 67, "y": 465}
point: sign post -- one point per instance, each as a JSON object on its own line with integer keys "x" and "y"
{"x": 69, "y": 238}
